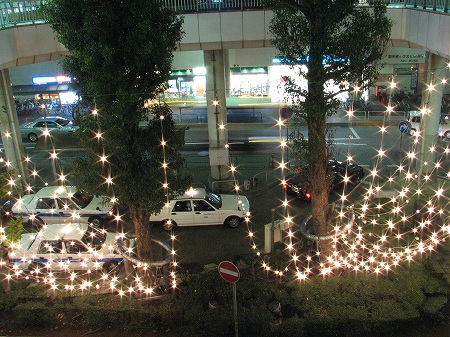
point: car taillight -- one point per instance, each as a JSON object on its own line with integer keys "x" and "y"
{"x": 308, "y": 195}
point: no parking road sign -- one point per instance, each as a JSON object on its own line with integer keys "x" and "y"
{"x": 228, "y": 271}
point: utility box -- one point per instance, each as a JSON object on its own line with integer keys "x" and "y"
{"x": 278, "y": 227}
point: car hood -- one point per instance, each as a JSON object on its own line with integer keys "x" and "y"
{"x": 230, "y": 201}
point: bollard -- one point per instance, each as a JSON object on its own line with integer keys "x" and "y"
{"x": 255, "y": 182}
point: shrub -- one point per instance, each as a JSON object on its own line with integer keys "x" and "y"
{"x": 33, "y": 314}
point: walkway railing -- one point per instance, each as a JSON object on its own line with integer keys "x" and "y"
{"x": 27, "y": 12}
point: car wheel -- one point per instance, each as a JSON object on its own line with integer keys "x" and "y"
{"x": 412, "y": 132}
{"x": 112, "y": 268}
{"x": 233, "y": 221}
{"x": 168, "y": 224}
{"x": 447, "y": 135}
{"x": 32, "y": 137}
{"x": 37, "y": 223}
{"x": 95, "y": 221}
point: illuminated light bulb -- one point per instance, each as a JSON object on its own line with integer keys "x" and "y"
{"x": 163, "y": 143}
{"x": 383, "y": 129}
{"x": 161, "y": 117}
{"x": 350, "y": 113}
{"x": 236, "y": 188}
{"x": 46, "y": 132}
{"x": 393, "y": 85}
{"x": 108, "y": 180}
{"x": 103, "y": 158}
{"x": 280, "y": 122}
{"x": 27, "y": 159}
{"x": 34, "y": 173}
{"x": 54, "y": 155}
{"x": 282, "y": 165}
{"x": 95, "y": 112}
{"x": 431, "y": 87}
{"x": 232, "y": 168}
{"x": 62, "y": 177}
{"x": 222, "y": 126}
{"x": 7, "y": 134}
{"x": 283, "y": 143}
{"x": 98, "y": 135}
{"x": 381, "y": 153}
{"x": 164, "y": 165}
{"x": 215, "y": 103}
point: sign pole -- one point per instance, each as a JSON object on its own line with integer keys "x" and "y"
{"x": 236, "y": 333}
{"x": 230, "y": 273}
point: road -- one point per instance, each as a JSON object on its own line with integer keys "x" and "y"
{"x": 256, "y": 149}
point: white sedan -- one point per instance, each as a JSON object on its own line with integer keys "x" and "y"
{"x": 198, "y": 208}
{"x": 35, "y": 129}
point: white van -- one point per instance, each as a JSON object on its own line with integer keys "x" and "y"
{"x": 56, "y": 204}
{"x": 68, "y": 246}
{"x": 414, "y": 119}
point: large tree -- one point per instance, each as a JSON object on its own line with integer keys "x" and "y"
{"x": 339, "y": 42}
{"x": 120, "y": 57}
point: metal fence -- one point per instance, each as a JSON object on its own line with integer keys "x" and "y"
{"x": 27, "y": 12}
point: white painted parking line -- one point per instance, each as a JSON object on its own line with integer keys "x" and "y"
{"x": 355, "y": 134}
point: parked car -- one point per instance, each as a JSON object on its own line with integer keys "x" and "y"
{"x": 35, "y": 129}
{"x": 55, "y": 204}
{"x": 67, "y": 246}
{"x": 299, "y": 186}
{"x": 198, "y": 208}
{"x": 414, "y": 120}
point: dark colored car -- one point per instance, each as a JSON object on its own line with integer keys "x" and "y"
{"x": 298, "y": 185}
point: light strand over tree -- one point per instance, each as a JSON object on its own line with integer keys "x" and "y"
{"x": 340, "y": 43}
{"x": 120, "y": 57}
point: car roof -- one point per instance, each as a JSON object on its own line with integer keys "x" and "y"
{"x": 191, "y": 193}
{"x": 50, "y": 118}
{"x": 60, "y": 191}
{"x": 68, "y": 231}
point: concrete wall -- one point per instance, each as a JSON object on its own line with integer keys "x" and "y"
{"x": 245, "y": 34}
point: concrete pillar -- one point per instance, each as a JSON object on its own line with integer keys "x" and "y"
{"x": 219, "y": 158}
{"x": 10, "y": 133}
{"x": 432, "y": 101}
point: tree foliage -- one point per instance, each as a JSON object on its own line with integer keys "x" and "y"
{"x": 120, "y": 57}
{"x": 339, "y": 42}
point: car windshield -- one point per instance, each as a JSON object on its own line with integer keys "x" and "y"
{"x": 62, "y": 122}
{"x": 94, "y": 239}
{"x": 214, "y": 199}
{"x": 82, "y": 199}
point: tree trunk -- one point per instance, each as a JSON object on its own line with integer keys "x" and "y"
{"x": 144, "y": 242}
{"x": 316, "y": 106}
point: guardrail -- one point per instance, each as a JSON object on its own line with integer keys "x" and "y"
{"x": 27, "y": 12}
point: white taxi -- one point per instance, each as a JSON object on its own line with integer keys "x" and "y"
{"x": 414, "y": 119}
{"x": 68, "y": 246}
{"x": 198, "y": 208}
{"x": 56, "y": 204}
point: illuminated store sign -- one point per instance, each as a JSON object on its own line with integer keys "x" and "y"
{"x": 51, "y": 79}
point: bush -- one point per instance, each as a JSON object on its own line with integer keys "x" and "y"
{"x": 33, "y": 315}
